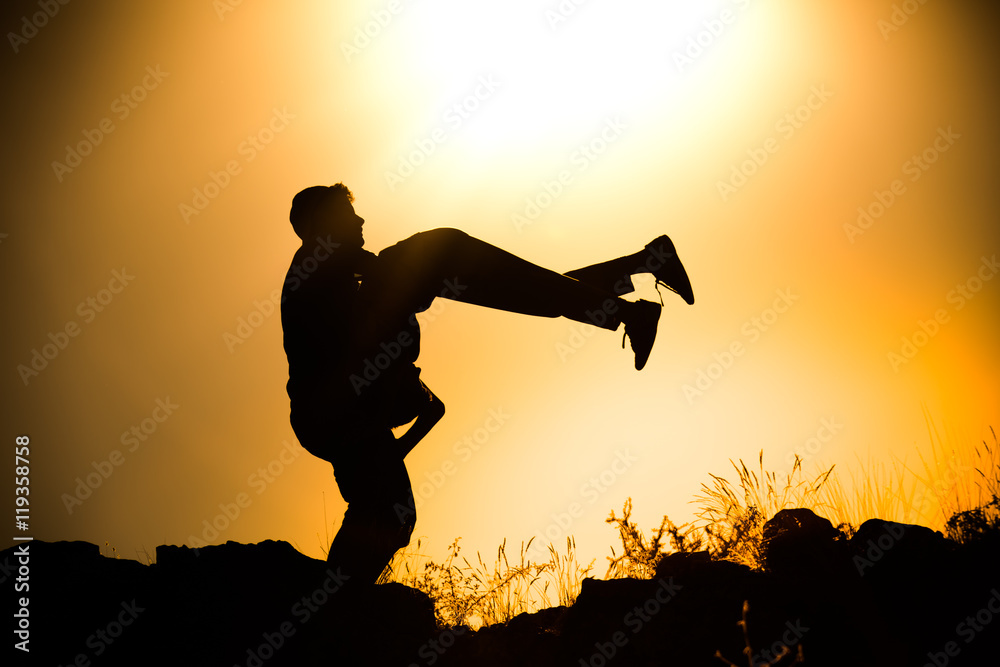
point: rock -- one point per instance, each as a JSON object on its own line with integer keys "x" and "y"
{"x": 893, "y": 595}
{"x": 876, "y": 540}
{"x": 528, "y": 640}
{"x": 910, "y": 574}
{"x": 389, "y": 625}
{"x": 673, "y": 619}
{"x": 797, "y": 540}
{"x": 681, "y": 563}
{"x": 229, "y": 555}
{"x": 80, "y": 601}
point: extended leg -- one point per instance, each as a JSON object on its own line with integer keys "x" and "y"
{"x": 451, "y": 264}
{"x": 454, "y": 265}
{"x": 658, "y": 258}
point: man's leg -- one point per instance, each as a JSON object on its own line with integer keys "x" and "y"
{"x": 380, "y": 510}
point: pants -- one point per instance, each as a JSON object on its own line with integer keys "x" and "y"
{"x": 380, "y": 509}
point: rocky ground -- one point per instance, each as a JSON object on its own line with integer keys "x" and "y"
{"x": 893, "y": 594}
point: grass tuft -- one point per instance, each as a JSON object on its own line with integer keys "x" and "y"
{"x": 732, "y": 515}
{"x": 638, "y": 557}
{"x": 478, "y": 594}
{"x": 948, "y": 492}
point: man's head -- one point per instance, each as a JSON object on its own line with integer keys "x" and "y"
{"x": 323, "y": 210}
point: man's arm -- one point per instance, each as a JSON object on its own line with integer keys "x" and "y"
{"x": 426, "y": 420}
{"x": 365, "y": 262}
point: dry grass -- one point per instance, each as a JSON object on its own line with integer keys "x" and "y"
{"x": 732, "y": 515}
{"x": 954, "y": 489}
{"x": 567, "y": 573}
{"x": 639, "y": 556}
{"x": 952, "y": 477}
{"x": 478, "y": 594}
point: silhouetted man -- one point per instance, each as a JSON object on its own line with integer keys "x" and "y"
{"x": 352, "y": 337}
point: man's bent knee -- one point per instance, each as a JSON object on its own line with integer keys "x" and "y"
{"x": 424, "y": 244}
{"x": 447, "y": 235}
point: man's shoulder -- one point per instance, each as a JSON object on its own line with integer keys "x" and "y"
{"x": 323, "y": 270}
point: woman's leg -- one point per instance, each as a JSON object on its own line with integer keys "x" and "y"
{"x": 615, "y": 275}
{"x": 658, "y": 258}
{"x": 451, "y": 264}
{"x": 454, "y": 265}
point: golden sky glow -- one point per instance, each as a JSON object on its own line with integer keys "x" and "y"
{"x": 152, "y": 154}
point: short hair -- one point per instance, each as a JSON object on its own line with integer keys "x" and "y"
{"x": 308, "y": 200}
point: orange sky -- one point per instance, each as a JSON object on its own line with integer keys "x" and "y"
{"x": 751, "y": 132}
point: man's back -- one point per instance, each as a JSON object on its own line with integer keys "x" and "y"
{"x": 317, "y": 304}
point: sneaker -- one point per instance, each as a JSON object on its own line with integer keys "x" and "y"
{"x": 641, "y": 330}
{"x": 671, "y": 273}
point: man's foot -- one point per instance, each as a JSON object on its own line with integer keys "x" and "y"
{"x": 640, "y": 328}
{"x": 664, "y": 264}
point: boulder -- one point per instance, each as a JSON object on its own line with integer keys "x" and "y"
{"x": 797, "y": 540}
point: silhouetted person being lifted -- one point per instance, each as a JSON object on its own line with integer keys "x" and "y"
{"x": 352, "y": 337}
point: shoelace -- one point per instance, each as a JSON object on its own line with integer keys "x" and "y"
{"x": 660, "y": 294}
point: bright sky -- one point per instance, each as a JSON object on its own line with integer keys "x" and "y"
{"x": 827, "y": 171}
